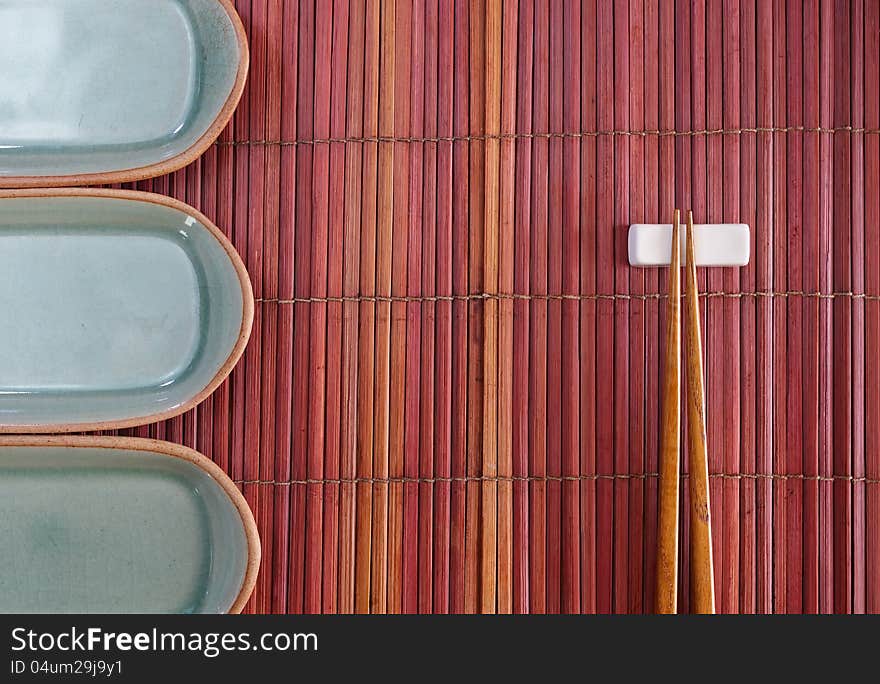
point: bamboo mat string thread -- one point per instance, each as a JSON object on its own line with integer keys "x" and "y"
{"x": 656, "y": 133}
{"x": 781, "y": 477}
{"x": 482, "y": 296}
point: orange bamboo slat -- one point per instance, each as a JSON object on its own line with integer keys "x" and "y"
{"x": 492, "y": 226}
{"x": 474, "y": 519}
{"x": 506, "y": 236}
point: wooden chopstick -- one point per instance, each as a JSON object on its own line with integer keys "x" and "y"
{"x": 702, "y": 580}
{"x": 666, "y": 597}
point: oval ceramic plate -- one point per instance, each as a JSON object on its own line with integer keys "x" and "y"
{"x": 120, "y": 525}
{"x": 109, "y": 91}
{"x": 117, "y": 308}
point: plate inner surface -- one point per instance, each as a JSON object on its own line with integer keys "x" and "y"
{"x": 93, "y": 73}
{"x": 98, "y": 309}
{"x": 99, "y": 538}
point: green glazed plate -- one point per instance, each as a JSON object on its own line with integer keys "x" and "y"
{"x": 117, "y": 308}
{"x": 107, "y": 91}
{"x": 120, "y": 525}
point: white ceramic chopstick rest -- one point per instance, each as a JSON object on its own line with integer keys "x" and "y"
{"x": 715, "y": 244}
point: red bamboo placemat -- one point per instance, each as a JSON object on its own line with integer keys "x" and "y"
{"x": 450, "y": 400}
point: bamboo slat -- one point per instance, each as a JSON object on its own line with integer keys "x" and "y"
{"x": 492, "y": 229}
{"x": 872, "y": 312}
{"x": 728, "y": 336}
{"x": 506, "y": 255}
{"x": 521, "y": 437}
{"x": 810, "y": 357}
{"x": 571, "y": 350}
{"x": 442, "y": 526}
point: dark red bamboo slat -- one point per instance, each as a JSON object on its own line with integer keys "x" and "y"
{"x": 826, "y": 573}
{"x": 872, "y": 311}
{"x": 763, "y": 255}
{"x": 554, "y": 312}
{"x": 748, "y": 519}
{"x": 571, "y": 352}
{"x": 587, "y": 332}
{"x": 810, "y": 275}
{"x": 652, "y": 192}
{"x": 842, "y": 237}
{"x": 857, "y": 262}
{"x": 622, "y": 309}
{"x": 729, "y": 334}
{"x": 459, "y": 398}
{"x": 637, "y": 322}
{"x": 780, "y": 337}
{"x": 429, "y": 225}
{"x": 605, "y": 358}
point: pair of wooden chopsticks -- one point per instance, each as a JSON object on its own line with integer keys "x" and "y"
{"x": 702, "y": 589}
